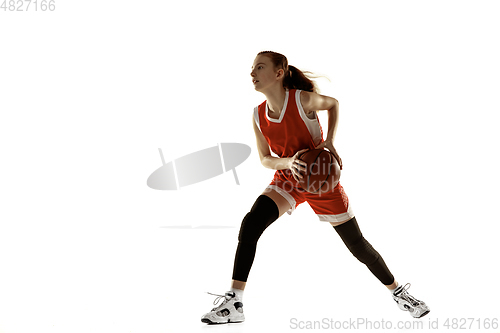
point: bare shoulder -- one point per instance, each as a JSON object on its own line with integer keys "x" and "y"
{"x": 305, "y": 99}
{"x": 314, "y": 102}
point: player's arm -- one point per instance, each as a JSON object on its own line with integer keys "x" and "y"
{"x": 272, "y": 162}
{"x": 266, "y": 159}
{"x": 314, "y": 102}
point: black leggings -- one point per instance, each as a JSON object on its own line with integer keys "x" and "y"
{"x": 363, "y": 251}
{"x": 265, "y": 211}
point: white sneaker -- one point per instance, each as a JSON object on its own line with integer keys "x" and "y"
{"x": 230, "y": 311}
{"x": 407, "y": 302}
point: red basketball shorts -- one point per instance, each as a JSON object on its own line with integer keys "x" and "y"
{"x": 332, "y": 206}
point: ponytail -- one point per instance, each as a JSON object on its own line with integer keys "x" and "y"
{"x": 294, "y": 77}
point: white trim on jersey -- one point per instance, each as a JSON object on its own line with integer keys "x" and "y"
{"x": 312, "y": 124}
{"x": 339, "y": 217}
{"x": 282, "y": 111}
{"x": 256, "y": 117}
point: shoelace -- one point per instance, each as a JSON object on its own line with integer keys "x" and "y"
{"x": 219, "y": 297}
{"x": 404, "y": 294}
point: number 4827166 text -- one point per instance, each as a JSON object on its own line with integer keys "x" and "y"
{"x": 28, "y": 5}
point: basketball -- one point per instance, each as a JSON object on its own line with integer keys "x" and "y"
{"x": 323, "y": 171}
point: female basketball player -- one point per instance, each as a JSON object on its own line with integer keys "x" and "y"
{"x": 286, "y": 123}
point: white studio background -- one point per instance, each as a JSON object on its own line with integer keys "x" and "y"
{"x": 90, "y": 91}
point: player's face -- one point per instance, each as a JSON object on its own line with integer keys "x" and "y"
{"x": 263, "y": 73}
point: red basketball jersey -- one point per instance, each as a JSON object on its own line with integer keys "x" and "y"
{"x": 293, "y": 131}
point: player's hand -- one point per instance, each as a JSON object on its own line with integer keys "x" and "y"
{"x": 296, "y": 165}
{"x": 329, "y": 145}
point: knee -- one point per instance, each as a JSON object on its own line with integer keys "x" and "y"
{"x": 263, "y": 213}
{"x": 357, "y": 244}
{"x": 248, "y": 232}
{"x": 363, "y": 251}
